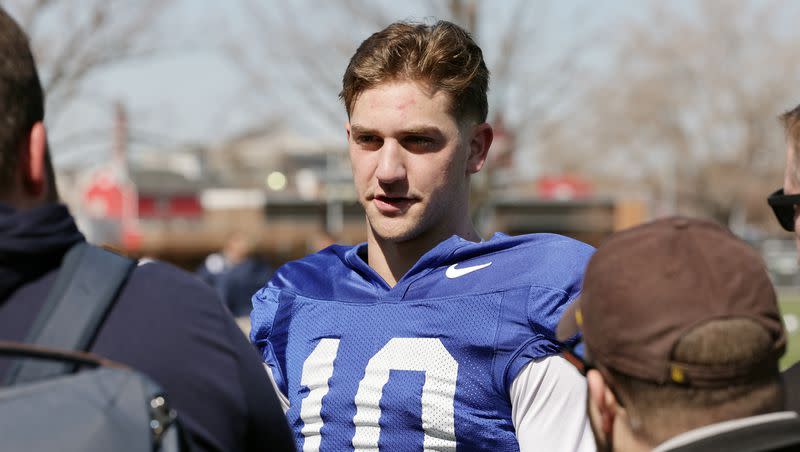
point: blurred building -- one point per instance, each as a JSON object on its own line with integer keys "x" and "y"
{"x": 293, "y": 194}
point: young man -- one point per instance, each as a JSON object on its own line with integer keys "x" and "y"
{"x": 683, "y": 334}
{"x": 164, "y": 322}
{"x": 425, "y": 337}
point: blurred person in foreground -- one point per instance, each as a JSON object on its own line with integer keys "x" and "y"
{"x": 164, "y": 323}
{"x": 426, "y": 336}
{"x": 682, "y": 338}
{"x": 784, "y": 204}
{"x": 235, "y": 273}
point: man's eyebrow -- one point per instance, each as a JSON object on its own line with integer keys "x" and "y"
{"x": 422, "y": 130}
{"x": 357, "y": 128}
{"x": 413, "y": 130}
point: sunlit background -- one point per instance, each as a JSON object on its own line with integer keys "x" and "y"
{"x": 175, "y": 124}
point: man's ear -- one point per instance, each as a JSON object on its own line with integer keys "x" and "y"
{"x": 602, "y": 401}
{"x": 790, "y": 172}
{"x": 479, "y": 143}
{"x": 347, "y": 128}
{"x": 33, "y": 162}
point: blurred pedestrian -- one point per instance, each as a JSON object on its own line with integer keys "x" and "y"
{"x": 235, "y": 273}
{"x": 682, "y": 337}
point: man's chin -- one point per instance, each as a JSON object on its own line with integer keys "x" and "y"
{"x": 395, "y": 236}
{"x": 395, "y": 230}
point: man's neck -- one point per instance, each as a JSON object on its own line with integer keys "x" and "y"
{"x": 625, "y": 440}
{"x": 391, "y": 260}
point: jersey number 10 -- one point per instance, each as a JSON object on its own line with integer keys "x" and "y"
{"x": 426, "y": 355}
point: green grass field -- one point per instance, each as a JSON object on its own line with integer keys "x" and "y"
{"x": 790, "y": 307}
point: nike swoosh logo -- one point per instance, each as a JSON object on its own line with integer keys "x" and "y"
{"x": 453, "y": 272}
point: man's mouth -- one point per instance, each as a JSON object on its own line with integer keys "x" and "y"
{"x": 392, "y": 205}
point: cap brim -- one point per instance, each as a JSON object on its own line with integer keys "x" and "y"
{"x": 568, "y": 326}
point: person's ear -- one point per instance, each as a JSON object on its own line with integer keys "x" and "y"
{"x": 479, "y": 143}
{"x": 33, "y": 162}
{"x": 602, "y": 401}
{"x": 347, "y": 128}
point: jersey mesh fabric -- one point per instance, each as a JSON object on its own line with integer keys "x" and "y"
{"x": 425, "y": 365}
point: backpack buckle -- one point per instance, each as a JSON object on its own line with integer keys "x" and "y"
{"x": 161, "y": 418}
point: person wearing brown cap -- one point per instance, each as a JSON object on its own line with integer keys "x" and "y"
{"x": 682, "y": 337}
{"x": 783, "y": 203}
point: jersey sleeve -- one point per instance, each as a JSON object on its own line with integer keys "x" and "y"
{"x": 262, "y": 318}
{"x": 540, "y": 314}
{"x": 554, "y": 270}
{"x": 548, "y": 407}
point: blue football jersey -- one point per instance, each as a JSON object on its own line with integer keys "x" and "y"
{"x": 426, "y": 364}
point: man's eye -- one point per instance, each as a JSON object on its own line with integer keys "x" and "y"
{"x": 369, "y": 142}
{"x": 367, "y": 139}
{"x": 419, "y": 140}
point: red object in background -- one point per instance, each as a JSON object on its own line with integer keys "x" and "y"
{"x": 184, "y": 206}
{"x": 131, "y": 238}
{"x": 169, "y": 206}
{"x": 148, "y": 207}
{"x": 104, "y": 197}
{"x": 563, "y": 187}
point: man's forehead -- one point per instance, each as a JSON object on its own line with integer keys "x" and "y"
{"x": 402, "y": 95}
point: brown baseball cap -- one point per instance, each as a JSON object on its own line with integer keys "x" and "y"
{"x": 646, "y": 287}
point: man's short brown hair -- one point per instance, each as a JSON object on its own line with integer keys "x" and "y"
{"x": 21, "y": 97}
{"x": 661, "y": 411}
{"x": 791, "y": 127}
{"x": 442, "y": 55}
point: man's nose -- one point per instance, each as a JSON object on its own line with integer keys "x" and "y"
{"x": 391, "y": 163}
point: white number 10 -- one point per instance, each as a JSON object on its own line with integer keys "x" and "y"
{"x": 427, "y": 355}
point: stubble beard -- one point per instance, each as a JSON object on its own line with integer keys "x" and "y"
{"x": 417, "y": 222}
{"x": 396, "y": 230}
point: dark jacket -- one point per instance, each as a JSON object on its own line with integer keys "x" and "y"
{"x": 774, "y": 432}
{"x": 791, "y": 381}
{"x": 165, "y": 323}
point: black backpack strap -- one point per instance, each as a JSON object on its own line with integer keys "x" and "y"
{"x": 86, "y": 287}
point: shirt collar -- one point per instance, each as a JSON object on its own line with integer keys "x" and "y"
{"x": 722, "y": 427}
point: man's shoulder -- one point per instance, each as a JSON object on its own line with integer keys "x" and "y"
{"x": 170, "y": 325}
{"x": 315, "y": 274}
{"x": 157, "y": 276}
{"x": 778, "y": 431}
{"x": 791, "y": 380}
{"x": 793, "y": 372}
{"x": 549, "y": 263}
{"x": 545, "y": 245}
{"x": 548, "y": 260}
{"x": 165, "y": 290}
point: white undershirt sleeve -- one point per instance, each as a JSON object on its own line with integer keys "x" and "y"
{"x": 548, "y": 407}
{"x": 281, "y": 396}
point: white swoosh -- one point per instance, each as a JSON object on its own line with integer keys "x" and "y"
{"x": 453, "y": 272}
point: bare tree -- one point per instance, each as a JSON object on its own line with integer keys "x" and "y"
{"x": 688, "y": 110}
{"x": 72, "y": 41}
{"x": 297, "y": 52}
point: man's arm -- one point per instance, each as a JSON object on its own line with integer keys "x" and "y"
{"x": 548, "y": 407}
